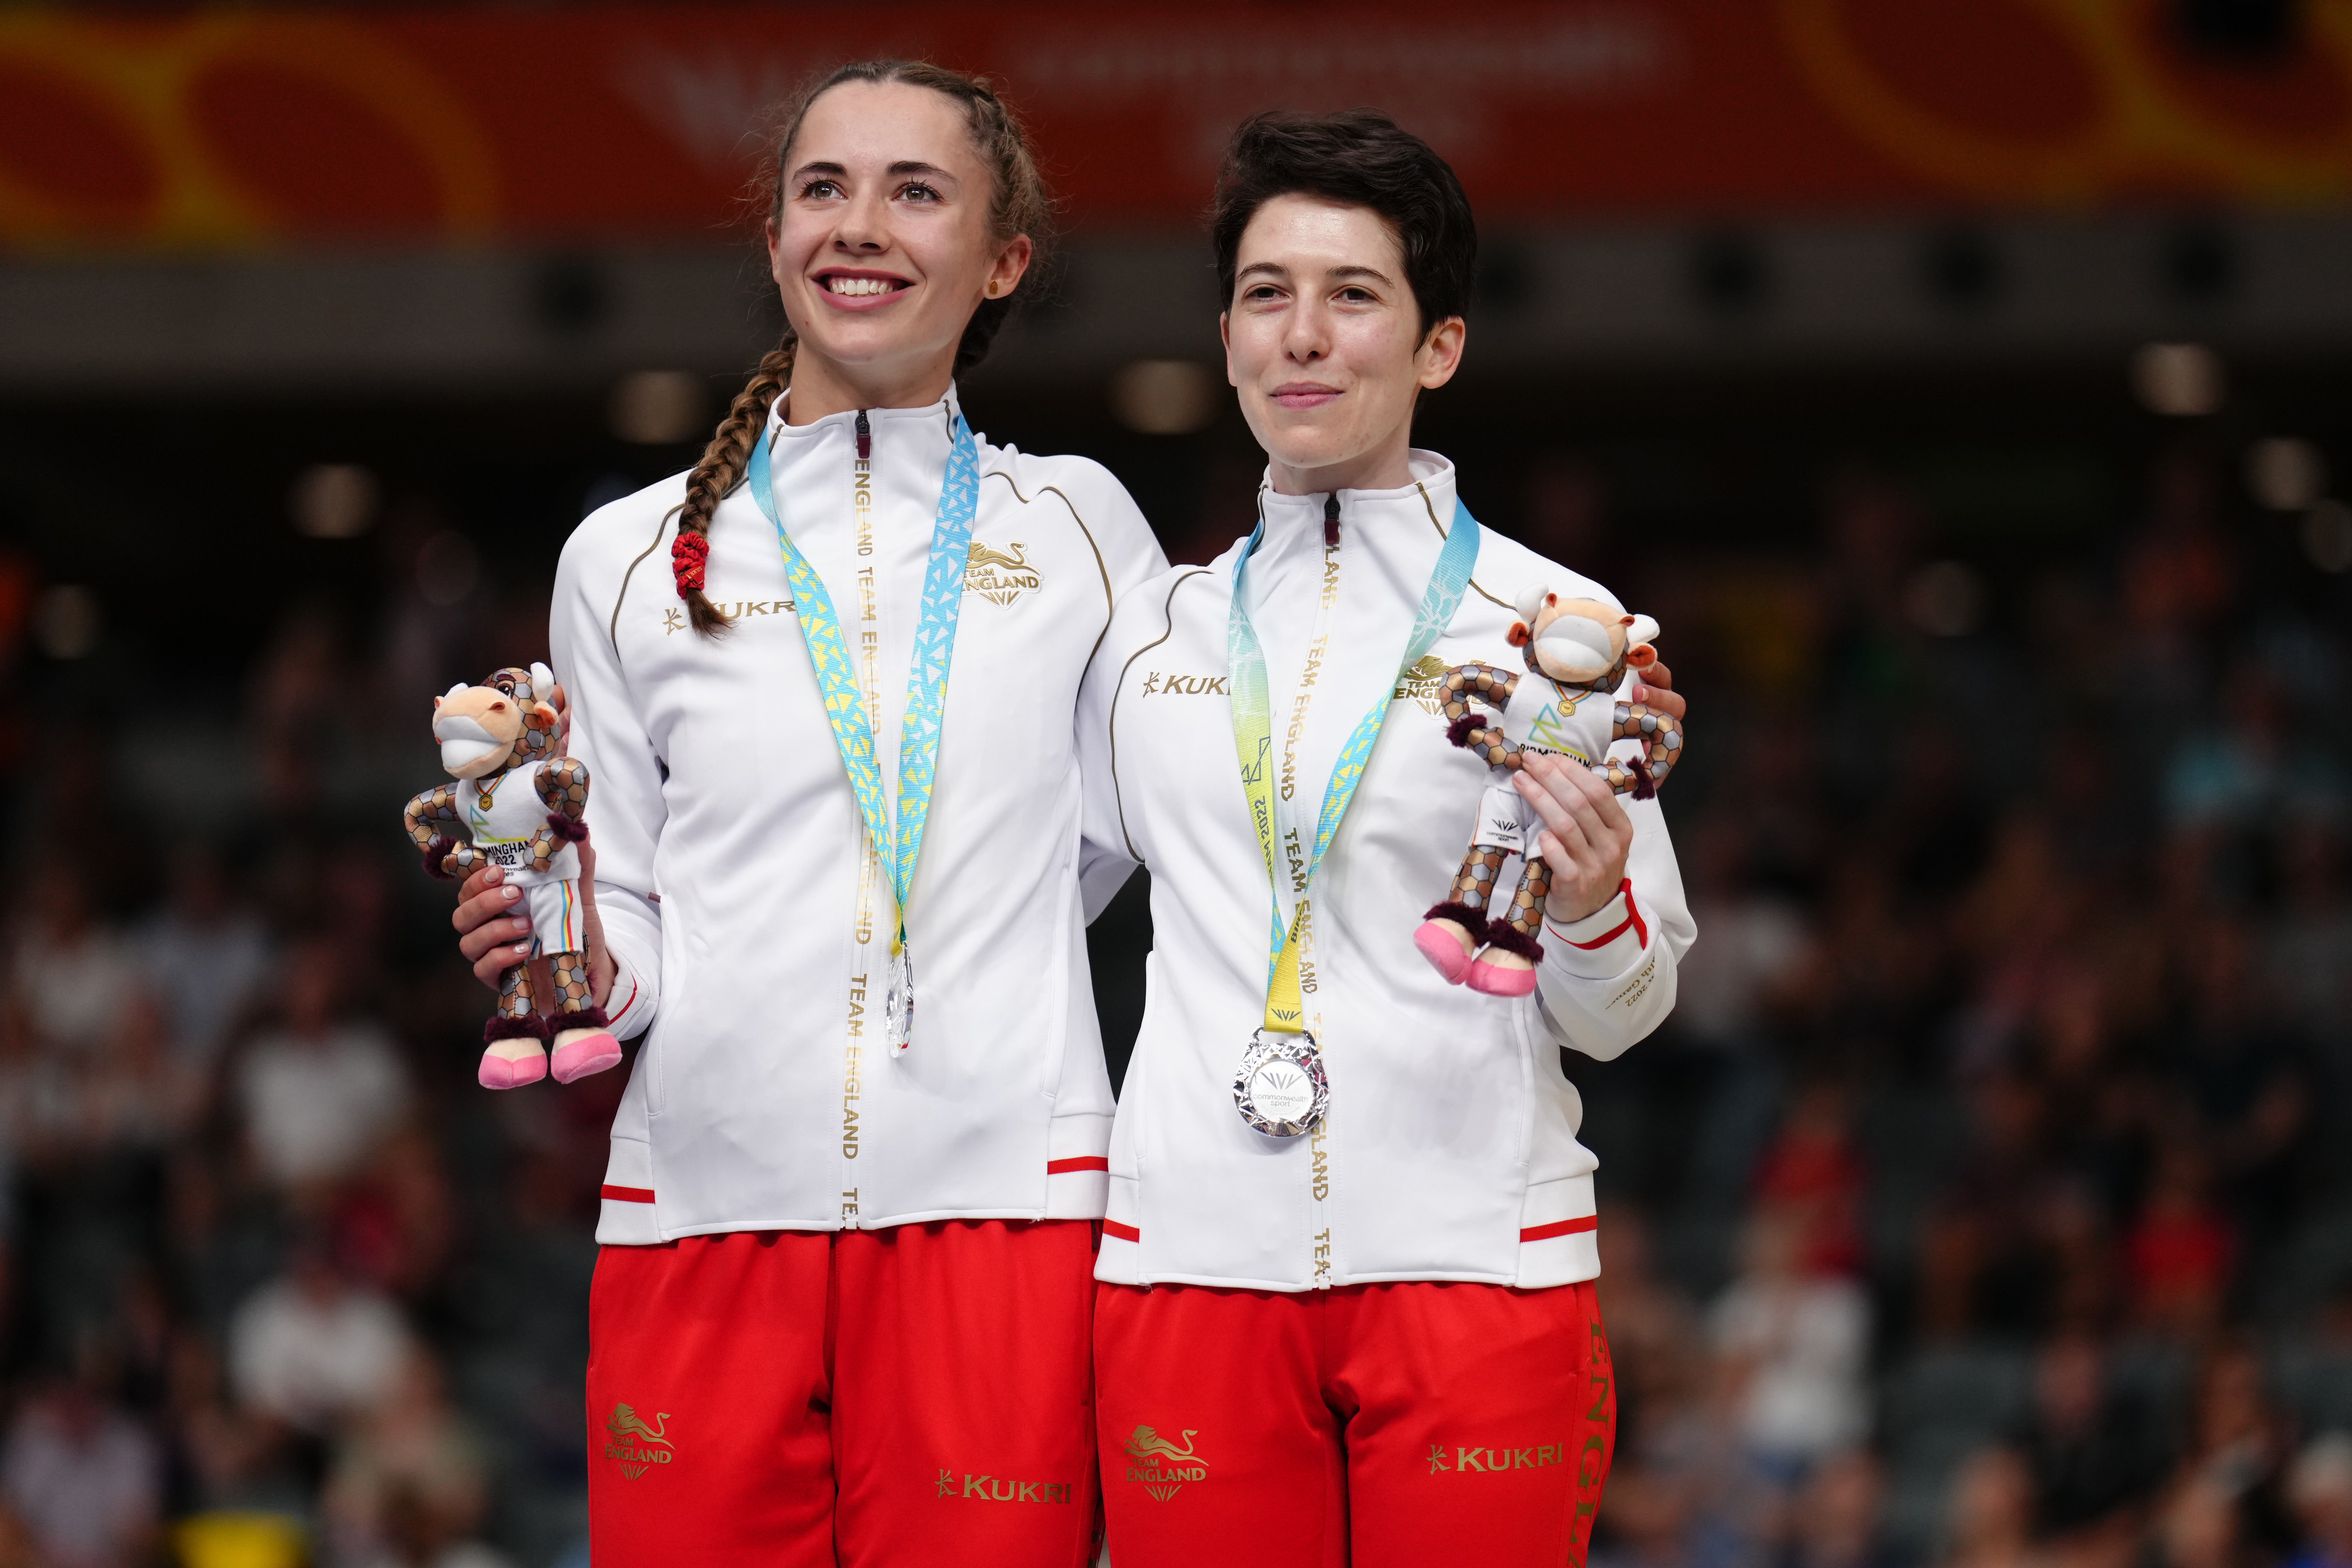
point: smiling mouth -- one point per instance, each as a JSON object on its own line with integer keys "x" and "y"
{"x": 860, "y": 286}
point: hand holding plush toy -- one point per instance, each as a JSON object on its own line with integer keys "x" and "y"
{"x": 1578, "y": 651}
{"x": 516, "y": 807}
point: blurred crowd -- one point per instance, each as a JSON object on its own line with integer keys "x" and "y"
{"x": 1984, "y": 1204}
{"x": 1979, "y": 1206}
{"x": 282, "y": 1285}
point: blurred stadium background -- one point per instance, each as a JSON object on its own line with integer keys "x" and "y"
{"x": 1960, "y": 386}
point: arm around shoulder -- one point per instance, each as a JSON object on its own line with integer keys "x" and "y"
{"x": 1115, "y": 525}
{"x": 1108, "y": 849}
{"x": 1106, "y": 858}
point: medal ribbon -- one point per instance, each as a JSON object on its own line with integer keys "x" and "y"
{"x": 927, "y": 677}
{"x": 1286, "y": 1009}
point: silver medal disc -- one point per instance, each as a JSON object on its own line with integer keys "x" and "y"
{"x": 898, "y": 1000}
{"x": 1281, "y": 1089}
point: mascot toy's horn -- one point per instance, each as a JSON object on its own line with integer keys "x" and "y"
{"x": 518, "y": 808}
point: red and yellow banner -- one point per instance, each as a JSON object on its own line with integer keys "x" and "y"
{"x": 243, "y": 129}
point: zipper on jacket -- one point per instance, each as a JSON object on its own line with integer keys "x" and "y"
{"x": 1319, "y": 1274}
{"x": 858, "y": 1059}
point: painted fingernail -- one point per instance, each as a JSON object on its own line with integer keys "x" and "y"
{"x": 513, "y": 893}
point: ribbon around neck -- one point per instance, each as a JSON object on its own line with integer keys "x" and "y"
{"x": 927, "y": 677}
{"x": 1286, "y": 1009}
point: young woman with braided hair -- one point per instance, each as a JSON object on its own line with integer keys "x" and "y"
{"x": 842, "y": 1307}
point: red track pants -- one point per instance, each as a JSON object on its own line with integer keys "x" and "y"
{"x": 787, "y": 1399}
{"x": 1396, "y": 1425}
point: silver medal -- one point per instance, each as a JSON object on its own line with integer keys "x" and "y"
{"x": 1281, "y": 1089}
{"x": 898, "y": 1000}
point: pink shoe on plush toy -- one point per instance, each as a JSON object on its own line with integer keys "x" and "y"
{"x": 1508, "y": 966}
{"x": 1500, "y": 979}
{"x": 1449, "y": 934}
{"x": 512, "y": 1063}
{"x": 581, "y": 1052}
{"x": 1441, "y": 943}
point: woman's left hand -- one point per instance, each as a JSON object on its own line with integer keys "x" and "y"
{"x": 1656, "y": 687}
{"x": 1587, "y": 834}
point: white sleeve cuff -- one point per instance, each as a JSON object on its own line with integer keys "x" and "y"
{"x": 633, "y": 937}
{"x": 1603, "y": 945}
{"x": 629, "y": 1009}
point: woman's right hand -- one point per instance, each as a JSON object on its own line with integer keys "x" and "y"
{"x": 493, "y": 932}
{"x": 493, "y": 929}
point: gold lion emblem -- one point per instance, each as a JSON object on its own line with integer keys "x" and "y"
{"x": 981, "y": 556}
{"x": 1419, "y": 683}
{"x": 626, "y": 1423}
{"x": 997, "y": 576}
{"x": 1148, "y": 1444}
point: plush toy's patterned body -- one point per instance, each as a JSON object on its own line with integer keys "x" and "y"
{"x": 1583, "y": 707}
{"x": 1535, "y": 714}
{"x": 524, "y": 814}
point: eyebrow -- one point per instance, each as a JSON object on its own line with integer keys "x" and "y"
{"x": 904, "y": 166}
{"x": 1275, "y": 270}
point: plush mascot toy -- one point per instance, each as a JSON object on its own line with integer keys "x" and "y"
{"x": 517, "y": 807}
{"x": 1578, "y": 651}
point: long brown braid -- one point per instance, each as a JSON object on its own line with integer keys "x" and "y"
{"x": 1019, "y": 206}
{"x": 720, "y": 472}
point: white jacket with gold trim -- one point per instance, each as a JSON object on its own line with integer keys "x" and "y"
{"x": 751, "y": 922}
{"x": 1450, "y": 1150}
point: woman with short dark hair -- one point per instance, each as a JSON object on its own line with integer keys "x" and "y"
{"x": 1345, "y": 1309}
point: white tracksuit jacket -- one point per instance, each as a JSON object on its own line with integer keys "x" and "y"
{"x": 738, "y": 896}
{"x": 1450, "y": 1150}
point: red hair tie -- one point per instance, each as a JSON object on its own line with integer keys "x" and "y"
{"x": 689, "y": 553}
